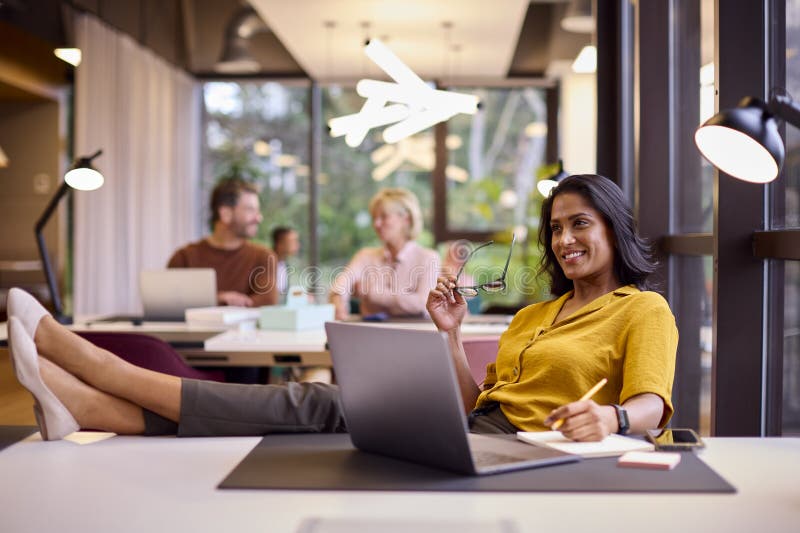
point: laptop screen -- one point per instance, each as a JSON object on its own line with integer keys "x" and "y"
{"x": 167, "y": 294}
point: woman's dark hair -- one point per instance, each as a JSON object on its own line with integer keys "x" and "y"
{"x": 633, "y": 261}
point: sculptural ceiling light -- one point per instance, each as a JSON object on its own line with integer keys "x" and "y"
{"x": 409, "y": 104}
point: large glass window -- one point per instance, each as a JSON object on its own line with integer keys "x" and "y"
{"x": 791, "y": 350}
{"x": 259, "y": 132}
{"x": 791, "y": 169}
{"x": 692, "y": 306}
{"x": 677, "y": 92}
{"x": 694, "y": 186}
{"x": 789, "y": 217}
{"x": 351, "y": 176}
{"x": 494, "y": 157}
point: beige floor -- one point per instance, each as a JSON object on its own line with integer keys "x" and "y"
{"x": 15, "y": 402}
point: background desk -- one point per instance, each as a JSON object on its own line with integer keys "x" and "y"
{"x": 134, "y": 484}
{"x": 208, "y": 346}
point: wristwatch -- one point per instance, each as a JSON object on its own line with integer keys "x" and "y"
{"x": 622, "y": 419}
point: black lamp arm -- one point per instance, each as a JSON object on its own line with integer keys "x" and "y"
{"x": 784, "y": 107}
{"x": 46, "y": 265}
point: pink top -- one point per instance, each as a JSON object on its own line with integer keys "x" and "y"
{"x": 397, "y": 287}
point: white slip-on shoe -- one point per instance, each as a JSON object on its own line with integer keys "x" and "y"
{"x": 55, "y": 421}
{"x": 26, "y": 309}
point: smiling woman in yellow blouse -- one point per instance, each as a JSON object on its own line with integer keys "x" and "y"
{"x": 603, "y": 323}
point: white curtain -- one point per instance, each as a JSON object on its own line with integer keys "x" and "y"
{"x": 145, "y": 115}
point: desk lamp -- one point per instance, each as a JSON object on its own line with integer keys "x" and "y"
{"x": 744, "y": 142}
{"x": 83, "y": 177}
{"x": 548, "y": 184}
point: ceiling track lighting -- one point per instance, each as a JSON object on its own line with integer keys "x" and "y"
{"x": 578, "y": 17}
{"x": 744, "y": 142}
{"x": 236, "y": 57}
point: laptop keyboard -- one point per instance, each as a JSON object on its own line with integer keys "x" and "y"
{"x": 483, "y": 458}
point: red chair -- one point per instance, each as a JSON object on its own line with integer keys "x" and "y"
{"x": 480, "y": 352}
{"x": 150, "y": 353}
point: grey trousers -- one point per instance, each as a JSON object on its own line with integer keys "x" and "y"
{"x": 212, "y": 409}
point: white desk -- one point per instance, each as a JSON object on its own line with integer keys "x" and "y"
{"x": 306, "y": 348}
{"x": 208, "y": 346}
{"x": 134, "y": 484}
{"x": 172, "y": 332}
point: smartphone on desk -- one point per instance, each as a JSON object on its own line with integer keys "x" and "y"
{"x": 675, "y": 440}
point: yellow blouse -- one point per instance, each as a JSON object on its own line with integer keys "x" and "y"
{"x": 627, "y": 336}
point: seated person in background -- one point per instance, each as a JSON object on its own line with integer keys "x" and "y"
{"x": 285, "y": 244}
{"x": 603, "y": 323}
{"x": 392, "y": 280}
{"x": 245, "y": 270}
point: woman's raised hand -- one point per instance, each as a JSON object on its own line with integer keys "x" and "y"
{"x": 446, "y": 306}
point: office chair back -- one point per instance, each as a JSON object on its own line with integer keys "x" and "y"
{"x": 480, "y": 352}
{"x": 150, "y": 353}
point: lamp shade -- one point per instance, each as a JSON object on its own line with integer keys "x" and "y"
{"x": 236, "y": 58}
{"x": 743, "y": 142}
{"x": 83, "y": 176}
{"x": 84, "y": 179}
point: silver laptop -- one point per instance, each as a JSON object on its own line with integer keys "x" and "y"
{"x": 167, "y": 294}
{"x": 401, "y": 399}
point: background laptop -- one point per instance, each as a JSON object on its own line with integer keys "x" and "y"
{"x": 166, "y": 294}
{"x": 401, "y": 399}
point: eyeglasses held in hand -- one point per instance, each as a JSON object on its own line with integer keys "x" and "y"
{"x": 493, "y": 286}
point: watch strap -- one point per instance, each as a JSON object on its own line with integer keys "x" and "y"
{"x": 622, "y": 419}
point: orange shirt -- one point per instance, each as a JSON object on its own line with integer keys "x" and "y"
{"x": 249, "y": 269}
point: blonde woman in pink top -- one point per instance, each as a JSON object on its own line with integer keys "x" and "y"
{"x": 393, "y": 280}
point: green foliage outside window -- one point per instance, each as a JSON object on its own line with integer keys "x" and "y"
{"x": 260, "y": 132}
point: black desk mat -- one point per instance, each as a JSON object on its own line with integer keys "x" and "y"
{"x": 329, "y": 462}
{"x": 12, "y": 434}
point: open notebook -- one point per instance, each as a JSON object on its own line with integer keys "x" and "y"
{"x": 610, "y": 446}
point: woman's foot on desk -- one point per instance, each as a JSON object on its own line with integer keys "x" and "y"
{"x": 51, "y": 340}
{"x": 55, "y": 421}
{"x": 26, "y": 309}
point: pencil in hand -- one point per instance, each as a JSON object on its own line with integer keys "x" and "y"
{"x": 591, "y": 392}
